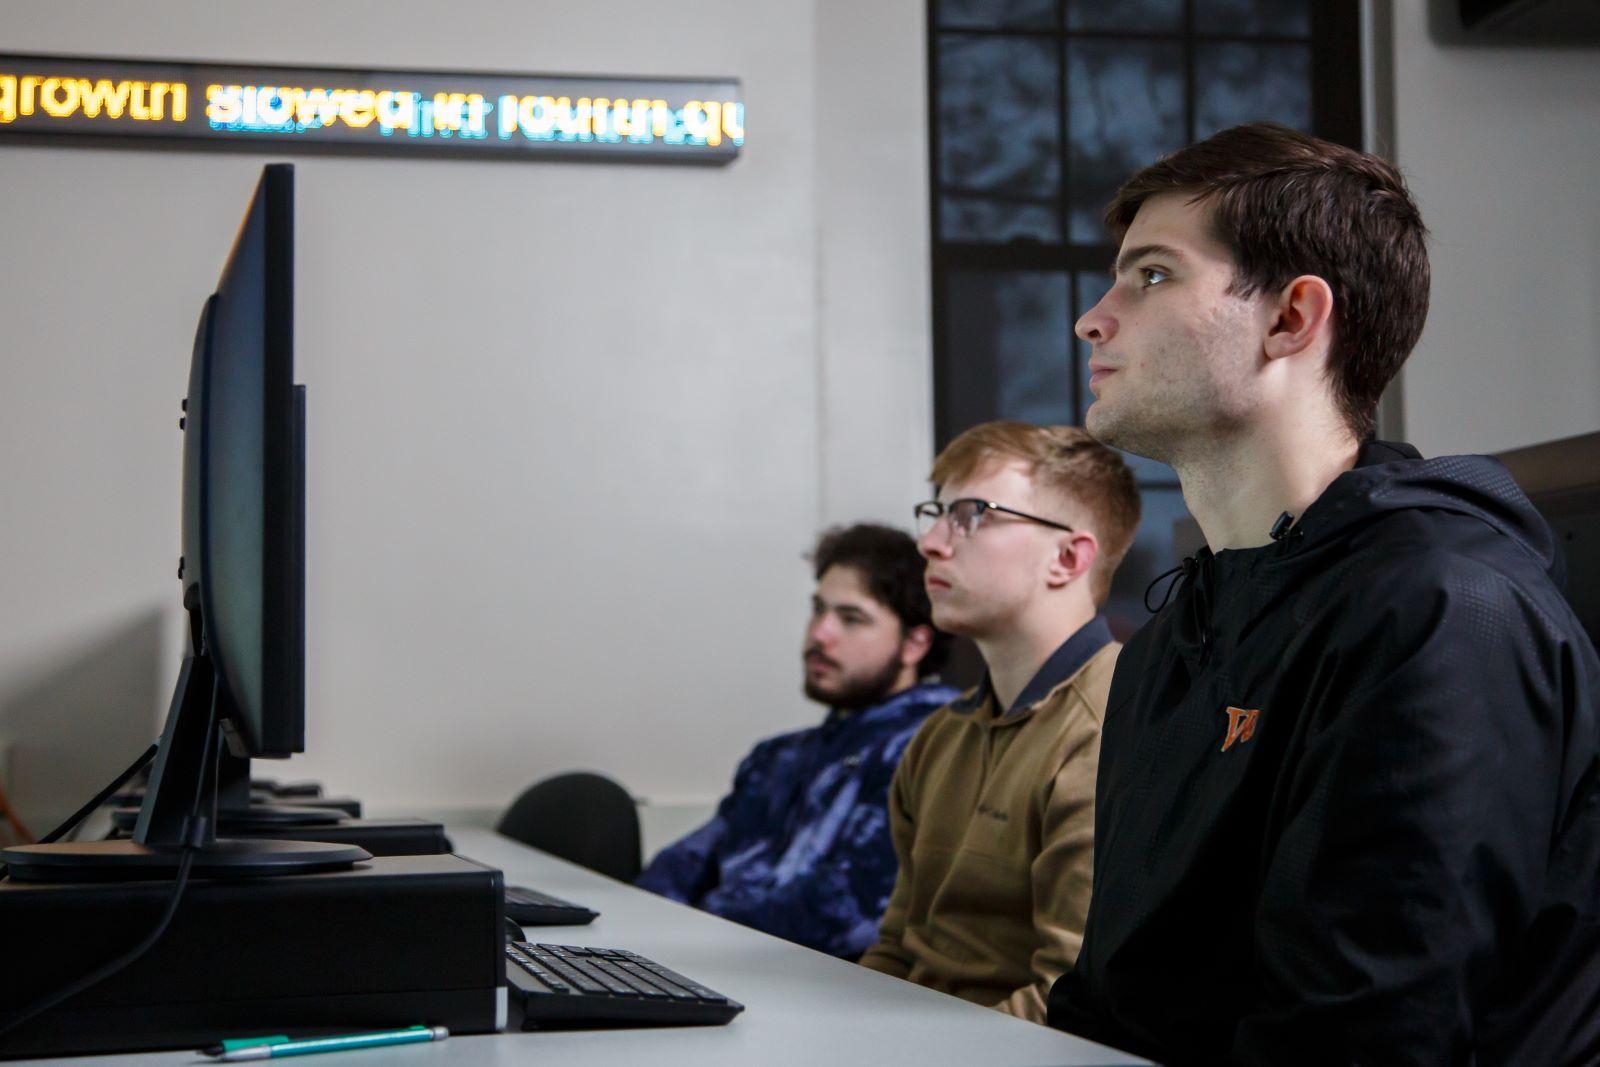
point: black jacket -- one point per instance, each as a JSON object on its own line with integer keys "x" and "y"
{"x": 1349, "y": 798}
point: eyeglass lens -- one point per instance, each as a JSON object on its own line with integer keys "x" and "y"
{"x": 964, "y": 516}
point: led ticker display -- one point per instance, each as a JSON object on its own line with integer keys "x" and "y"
{"x": 62, "y": 99}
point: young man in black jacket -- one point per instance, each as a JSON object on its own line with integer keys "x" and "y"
{"x": 1348, "y": 807}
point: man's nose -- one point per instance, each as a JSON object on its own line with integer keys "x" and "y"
{"x": 1097, "y": 326}
{"x": 935, "y": 544}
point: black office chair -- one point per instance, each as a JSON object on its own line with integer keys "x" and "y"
{"x": 582, "y": 817}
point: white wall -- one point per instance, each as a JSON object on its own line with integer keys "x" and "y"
{"x": 1501, "y": 146}
{"x": 874, "y": 296}
{"x": 571, "y": 425}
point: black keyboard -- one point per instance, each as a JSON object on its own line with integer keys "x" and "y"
{"x": 559, "y": 986}
{"x": 529, "y": 907}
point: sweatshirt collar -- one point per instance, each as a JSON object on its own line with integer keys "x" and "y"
{"x": 1063, "y": 663}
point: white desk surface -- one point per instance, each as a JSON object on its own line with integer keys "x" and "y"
{"x": 801, "y": 1007}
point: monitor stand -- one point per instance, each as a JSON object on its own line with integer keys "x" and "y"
{"x": 239, "y": 810}
{"x": 125, "y": 805}
{"x": 235, "y": 807}
{"x": 282, "y": 790}
{"x": 185, "y": 780}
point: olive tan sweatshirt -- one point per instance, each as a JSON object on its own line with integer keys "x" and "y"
{"x": 993, "y": 822}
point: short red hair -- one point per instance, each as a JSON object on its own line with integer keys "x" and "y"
{"x": 1064, "y": 460}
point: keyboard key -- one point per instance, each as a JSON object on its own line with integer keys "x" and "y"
{"x": 640, "y": 974}
{"x": 538, "y": 984}
{"x": 550, "y": 982}
{"x": 571, "y": 974}
{"x": 694, "y": 987}
{"x": 594, "y": 970}
{"x": 641, "y": 988}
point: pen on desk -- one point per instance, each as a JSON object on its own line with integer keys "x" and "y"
{"x": 306, "y": 1046}
{"x": 243, "y": 1042}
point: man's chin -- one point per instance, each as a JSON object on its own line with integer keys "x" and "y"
{"x": 1105, "y": 426}
{"x": 951, "y": 622}
{"x": 1101, "y": 422}
{"x": 819, "y": 694}
{"x": 847, "y": 697}
{"x": 855, "y": 695}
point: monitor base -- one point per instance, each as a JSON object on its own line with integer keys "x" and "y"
{"x": 121, "y": 861}
{"x": 256, "y": 816}
{"x": 300, "y": 790}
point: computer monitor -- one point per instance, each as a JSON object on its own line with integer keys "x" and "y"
{"x": 243, "y": 565}
{"x": 241, "y": 690}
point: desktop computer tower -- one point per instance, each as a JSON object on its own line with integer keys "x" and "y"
{"x": 393, "y": 942}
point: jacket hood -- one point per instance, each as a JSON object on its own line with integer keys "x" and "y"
{"x": 1388, "y": 477}
{"x": 1391, "y": 476}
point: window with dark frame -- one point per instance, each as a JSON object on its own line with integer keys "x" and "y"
{"x": 1038, "y": 111}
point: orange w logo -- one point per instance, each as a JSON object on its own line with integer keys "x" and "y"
{"x": 1241, "y": 726}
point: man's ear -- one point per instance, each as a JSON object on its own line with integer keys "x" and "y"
{"x": 1302, "y": 317}
{"x": 1075, "y": 554}
{"x": 915, "y": 644}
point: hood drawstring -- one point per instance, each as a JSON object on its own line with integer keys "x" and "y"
{"x": 1199, "y": 619}
{"x": 1187, "y": 567}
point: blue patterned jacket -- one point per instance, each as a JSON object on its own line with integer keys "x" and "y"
{"x": 801, "y": 847}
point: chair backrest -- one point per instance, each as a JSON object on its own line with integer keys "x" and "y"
{"x": 582, "y": 817}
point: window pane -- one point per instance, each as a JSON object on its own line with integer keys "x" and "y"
{"x": 1250, "y": 82}
{"x": 996, "y": 14}
{"x": 1091, "y": 286}
{"x": 1124, "y": 109}
{"x": 1151, "y": 553}
{"x": 1288, "y": 17}
{"x": 998, "y": 135}
{"x": 1006, "y": 354}
{"x": 976, "y": 218}
{"x": 1146, "y": 15}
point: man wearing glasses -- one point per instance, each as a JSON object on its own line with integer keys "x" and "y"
{"x": 800, "y": 848}
{"x": 992, "y": 807}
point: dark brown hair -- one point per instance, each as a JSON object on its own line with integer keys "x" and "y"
{"x": 889, "y": 563}
{"x": 1063, "y": 460}
{"x": 1285, "y": 203}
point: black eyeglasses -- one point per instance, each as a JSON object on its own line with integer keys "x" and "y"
{"x": 967, "y": 515}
